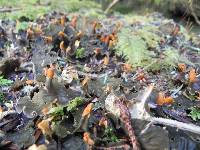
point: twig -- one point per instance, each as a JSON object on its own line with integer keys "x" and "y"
{"x": 114, "y": 2}
{"x": 193, "y": 12}
{"x": 3, "y": 10}
{"x": 177, "y": 124}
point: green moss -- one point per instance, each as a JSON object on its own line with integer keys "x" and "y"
{"x": 2, "y": 97}
{"x": 148, "y": 34}
{"x": 80, "y": 53}
{"x": 195, "y": 113}
{"x": 71, "y": 106}
{"x": 31, "y": 9}
{"x": 110, "y": 136}
{"x": 22, "y": 26}
{"x": 5, "y": 82}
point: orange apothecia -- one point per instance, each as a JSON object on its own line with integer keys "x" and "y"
{"x": 85, "y": 81}
{"x": 50, "y": 73}
{"x": 62, "y": 20}
{"x": 62, "y": 45}
{"x": 29, "y": 33}
{"x": 74, "y": 21}
{"x": 192, "y": 76}
{"x": 127, "y": 67}
{"x": 103, "y": 122}
{"x": 48, "y": 39}
{"x": 29, "y": 82}
{"x": 61, "y": 34}
{"x": 97, "y": 51}
{"x": 106, "y": 60}
{"x": 161, "y": 99}
{"x": 87, "y": 110}
{"x": 87, "y": 138}
{"x": 182, "y": 67}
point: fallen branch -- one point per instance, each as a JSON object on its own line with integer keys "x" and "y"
{"x": 177, "y": 124}
{"x": 114, "y": 2}
{"x": 193, "y": 12}
{"x": 2, "y": 10}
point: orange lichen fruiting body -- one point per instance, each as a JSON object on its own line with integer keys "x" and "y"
{"x": 103, "y": 122}
{"x": 62, "y": 45}
{"x": 127, "y": 67}
{"x": 74, "y": 21}
{"x": 161, "y": 99}
{"x": 50, "y": 73}
{"x": 97, "y": 51}
{"x": 62, "y": 20}
{"x": 44, "y": 126}
{"x": 48, "y": 39}
{"x": 182, "y": 67}
{"x": 106, "y": 60}
{"x": 192, "y": 76}
{"x": 87, "y": 138}
{"x": 87, "y": 110}
{"x": 29, "y": 82}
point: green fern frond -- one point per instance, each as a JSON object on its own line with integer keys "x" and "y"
{"x": 133, "y": 47}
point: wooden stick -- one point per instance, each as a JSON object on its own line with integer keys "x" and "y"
{"x": 114, "y": 2}
{"x": 2, "y": 10}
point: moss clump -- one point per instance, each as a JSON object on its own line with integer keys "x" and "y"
{"x": 80, "y": 53}
{"x": 71, "y": 106}
{"x": 5, "y": 82}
